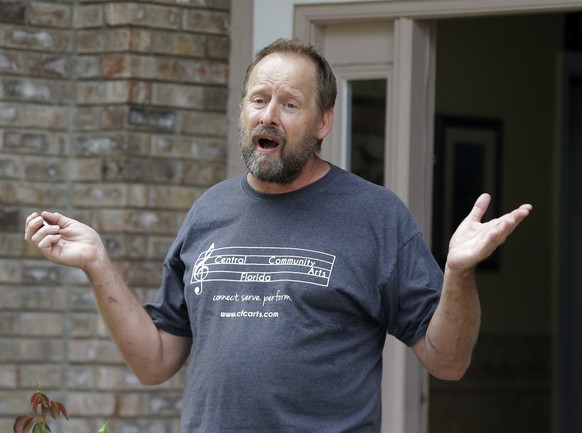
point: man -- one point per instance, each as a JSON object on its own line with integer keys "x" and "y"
{"x": 282, "y": 283}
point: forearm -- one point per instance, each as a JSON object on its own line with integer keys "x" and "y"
{"x": 132, "y": 329}
{"x": 447, "y": 347}
{"x": 152, "y": 354}
{"x": 453, "y": 330}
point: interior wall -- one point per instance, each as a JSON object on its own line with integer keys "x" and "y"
{"x": 507, "y": 68}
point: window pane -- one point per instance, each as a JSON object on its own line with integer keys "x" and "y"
{"x": 367, "y": 102}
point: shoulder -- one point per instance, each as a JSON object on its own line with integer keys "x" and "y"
{"x": 222, "y": 191}
{"x": 360, "y": 190}
{"x": 371, "y": 203}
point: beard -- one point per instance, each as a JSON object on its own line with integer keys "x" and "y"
{"x": 283, "y": 166}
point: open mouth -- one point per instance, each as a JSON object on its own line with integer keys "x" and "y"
{"x": 265, "y": 142}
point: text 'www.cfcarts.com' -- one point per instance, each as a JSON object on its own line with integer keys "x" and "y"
{"x": 251, "y": 314}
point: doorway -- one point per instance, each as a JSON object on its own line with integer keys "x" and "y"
{"x": 570, "y": 296}
{"x": 509, "y": 76}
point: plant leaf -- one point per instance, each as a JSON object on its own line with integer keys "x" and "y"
{"x": 58, "y": 408}
{"x": 39, "y": 399}
{"x": 23, "y": 423}
{"x": 103, "y": 428}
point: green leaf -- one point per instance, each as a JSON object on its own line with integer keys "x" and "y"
{"x": 103, "y": 428}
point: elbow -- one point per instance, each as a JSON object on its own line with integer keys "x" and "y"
{"x": 451, "y": 372}
{"x": 147, "y": 381}
{"x": 150, "y": 376}
{"x": 450, "y": 375}
{"x": 150, "y": 379}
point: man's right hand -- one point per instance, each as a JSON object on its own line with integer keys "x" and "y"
{"x": 64, "y": 240}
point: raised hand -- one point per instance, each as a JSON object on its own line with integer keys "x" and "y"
{"x": 64, "y": 240}
{"x": 474, "y": 240}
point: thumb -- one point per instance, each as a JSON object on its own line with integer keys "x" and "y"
{"x": 480, "y": 207}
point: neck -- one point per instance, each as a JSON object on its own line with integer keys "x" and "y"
{"x": 314, "y": 170}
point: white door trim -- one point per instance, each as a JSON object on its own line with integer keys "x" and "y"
{"x": 312, "y": 15}
{"x": 338, "y": 155}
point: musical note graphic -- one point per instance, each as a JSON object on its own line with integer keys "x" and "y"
{"x": 200, "y": 271}
{"x": 260, "y": 265}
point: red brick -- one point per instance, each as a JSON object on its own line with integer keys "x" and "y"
{"x": 202, "y": 72}
{"x": 137, "y": 14}
{"x": 152, "y": 221}
{"x": 28, "y": 193}
{"x": 184, "y": 96}
{"x": 36, "y": 39}
{"x": 110, "y": 195}
{"x": 218, "y": 47}
{"x": 12, "y": 62}
{"x": 38, "y": 116}
{"x": 86, "y": 16}
{"x": 43, "y": 65}
{"x": 213, "y": 124}
{"x": 201, "y": 21}
{"x": 173, "y": 197}
{"x": 180, "y": 44}
{"x": 49, "y": 14}
{"x": 12, "y": 12}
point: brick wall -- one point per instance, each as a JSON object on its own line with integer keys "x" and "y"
{"x": 114, "y": 113}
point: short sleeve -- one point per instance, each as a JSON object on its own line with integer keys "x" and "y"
{"x": 169, "y": 311}
{"x": 413, "y": 291}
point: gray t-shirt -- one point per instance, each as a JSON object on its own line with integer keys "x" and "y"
{"x": 288, "y": 298}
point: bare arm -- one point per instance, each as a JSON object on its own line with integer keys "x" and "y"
{"x": 153, "y": 355}
{"x": 446, "y": 349}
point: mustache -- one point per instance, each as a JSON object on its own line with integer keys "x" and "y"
{"x": 265, "y": 130}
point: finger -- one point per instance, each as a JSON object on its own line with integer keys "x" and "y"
{"x": 50, "y": 240}
{"x": 53, "y": 218}
{"x": 517, "y": 215}
{"x": 30, "y": 217}
{"x": 506, "y": 224}
{"x": 480, "y": 207}
{"x": 33, "y": 224}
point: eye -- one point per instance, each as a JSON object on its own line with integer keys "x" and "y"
{"x": 291, "y": 105}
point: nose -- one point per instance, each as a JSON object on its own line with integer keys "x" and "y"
{"x": 270, "y": 114}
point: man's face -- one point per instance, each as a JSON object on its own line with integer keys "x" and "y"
{"x": 279, "y": 123}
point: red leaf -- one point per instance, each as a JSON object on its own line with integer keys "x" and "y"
{"x": 38, "y": 398}
{"x": 23, "y": 423}
{"x": 58, "y": 408}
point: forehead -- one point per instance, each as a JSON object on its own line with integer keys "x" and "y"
{"x": 285, "y": 70}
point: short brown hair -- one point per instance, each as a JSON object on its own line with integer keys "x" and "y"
{"x": 326, "y": 87}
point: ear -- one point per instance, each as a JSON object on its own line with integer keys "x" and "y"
{"x": 326, "y": 124}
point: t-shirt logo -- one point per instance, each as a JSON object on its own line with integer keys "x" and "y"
{"x": 262, "y": 265}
